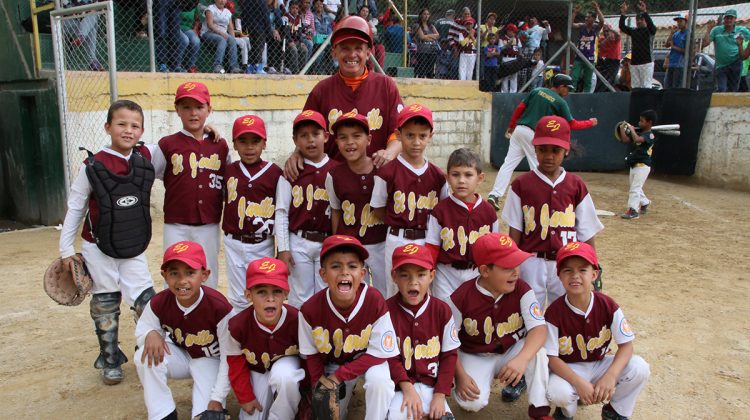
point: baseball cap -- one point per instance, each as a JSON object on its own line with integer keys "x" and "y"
{"x": 188, "y": 252}
{"x": 413, "y": 254}
{"x": 562, "y": 79}
{"x": 678, "y": 17}
{"x": 195, "y": 90}
{"x": 511, "y": 27}
{"x": 269, "y": 271}
{"x": 249, "y": 124}
{"x": 552, "y": 130}
{"x": 498, "y": 249}
{"x": 577, "y": 249}
{"x": 310, "y": 115}
{"x": 353, "y": 117}
{"x": 413, "y": 111}
{"x": 337, "y": 241}
{"x": 352, "y": 27}
{"x": 731, "y": 12}
{"x": 469, "y": 20}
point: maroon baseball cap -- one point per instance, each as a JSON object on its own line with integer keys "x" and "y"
{"x": 249, "y": 124}
{"x": 269, "y": 271}
{"x": 337, "y": 241}
{"x": 352, "y": 27}
{"x": 413, "y": 254}
{"x": 498, "y": 249}
{"x": 577, "y": 249}
{"x": 414, "y": 111}
{"x": 310, "y": 115}
{"x": 552, "y": 130}
{"x": 188, "y": 252}
{"x": 511, "y": 27}
{"x": 195, "y": 90}
{"x": 353, "y": 117}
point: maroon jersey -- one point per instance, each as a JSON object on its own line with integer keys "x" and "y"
{"x": 423, "y": 336}
{"x": 195, "y": 331}
{"x": 309, "y": 209}
{"x": 454, "y": 228}
{"x": 490, "y": 325}
{"x": 377, "y": 98}
{"x": 250, "y": 199}
{"x": 352, "y": 194}
{"x": 117, "y": 166}
{"x": 193, "y": 179}
{"x": 261, "y": 346}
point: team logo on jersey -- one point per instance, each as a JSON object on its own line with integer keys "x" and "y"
{"x": 553, "y": 125}
{"x": 388, "y": 343}
{"x": 188, "y": 86}
{"x": 181, "y": 247}
{"x": 625, "y": 328}
{"x": 454, "y": 332}
{"x": 248, "y": 121}
{"x": 267, "y": 266}
{"x": 127, "y": 201}
{"x": 410, "y": 249}
{"x": 536, "y": 312}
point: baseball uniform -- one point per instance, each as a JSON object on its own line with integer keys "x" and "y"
{"x": 194, "y": 350}
{"x": 639, "y": 161}
{"x": 581, "y": 340}
{"x": 454, "y": 227}
{"x": 549, "y": 215}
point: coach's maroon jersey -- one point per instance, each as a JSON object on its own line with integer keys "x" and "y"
{"x": 309, "y": 209}
{"x": 118, "y": 166}
{"x": 195, "y": 331}
{"x": 377, "y": 98}
{"x": 490, "y": 325}
{"x": 353, "y": 193}
{"x": 262, "y": 346}
{"x": 193, "y": 179}
{"x": 250, "y": 199}
{"x": 459, "y": 227}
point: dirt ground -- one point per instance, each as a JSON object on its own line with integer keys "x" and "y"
{"x": 680, "y": 273}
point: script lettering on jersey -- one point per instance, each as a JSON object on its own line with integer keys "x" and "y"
{"x": 448, "y": 242}
{"x": 203, "y": 338}
{"x": 266, "y": 359}
{"x": 420, "y": 351}
{"x": 253, "y": 210}
{"x": 309, "y": 194}
{"x": 424, "y": 202}
{"x": 353, "y": 342}
{"x": 374, "y": 119}
{"x": 565, "y": 219}
{"x": 565, "y": 344}
{"x": 211, "y": 162}
{"x": 367, "y": 218}
{"x": 513, "y": 324}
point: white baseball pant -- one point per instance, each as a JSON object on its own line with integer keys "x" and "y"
{"x": 641, "y": 75}
{"x": 425, "y": 393}
{"x": 541, "y": 276}
{"x": 376, "y": 263}
{"x": 379, "y": 391}
{"x": 277, "y": 390}
{"x": 177, "y": 365}
{"x": 520, "y": 146}
{"x": 304, "y": 275}
{"x": 206, "y": 236}
{"x": 466, "y": 64}
{"x": 636, "y": 196}
{"x": 238, "y": 256}
{"x": 110, "y": 275}
{"x": 391, "y": 243}
{"x": 448, "y": 279}
{"x": 484, "y": 368}
{"x": 630, "y": 383}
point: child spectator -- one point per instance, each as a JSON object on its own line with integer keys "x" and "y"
{"x": 510, "y": 50}
{"x": 308, "y": 24}
{"x": 298, "y": 32}
{"x": 538, "y": 69}
{"x": 491, "y": 65}
{"x": 218, "y": 31}
{"x": 639, "y": 161}
{"x": 468, "y": 48}
{"x": 189, "y": 40}
{"x": 275, "y": 43}
{"x": 446, "y": 66}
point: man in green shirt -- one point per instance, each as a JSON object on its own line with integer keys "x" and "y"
{"x": 728, "y": 62}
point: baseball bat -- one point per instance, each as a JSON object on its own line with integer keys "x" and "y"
{"x": 666, "y": 127}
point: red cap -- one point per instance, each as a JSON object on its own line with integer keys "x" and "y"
{"x": 336, "y": 241}
{"x": 577, "y": 249}
{"x": 552, "y": 130}
{"x": 267, "y": 270}
{"x": 469, "y": 20}
{"x": 188, "y": 252}
{"x": 413, "y": 111}
{"x": 249, "y": 124}
{"x": 413, "y": 254}
{"x": 354, "y": 117}
{"x": 497, "y": 249}
{"x": 511, "y": 27}
{"x": 310, "y": 115}
{"x": 352, "y": 27}
{"x": 195, "y": 90}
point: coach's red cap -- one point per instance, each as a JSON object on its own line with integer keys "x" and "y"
{"x": 414, "y": 111}
{"x": 552, "y": 130}
{"x": 353, "y": 117}
{"x": 352, "y": 27}
{"x": 249, "y": 124}
{"x": 310, "y": 115}
{"x": 577, "y": 249}
{"x": 337, "y": 241}
{"x": 267, "y": 270}
{"x": 188, "y": 252}
{"x": 413, "y": 254}
{"x": 497, "y": 249}
{"x": 195, "y": 90}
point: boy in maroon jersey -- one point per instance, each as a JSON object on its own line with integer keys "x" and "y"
{"x": 249, "y": 205}
{"x": 345, "y": 330}
{"x": 580, "y": 327}
{"x": 349, "y": 189}
{"x": 457, "y": 222}
{"x": 303, "y": 215}
{"x": 427, "y": 338}
{"x": 501, "y": 328}
{"x": 408, "y": 187}
{"x": 261, "y": 346}
{"x": 191, "y": 315}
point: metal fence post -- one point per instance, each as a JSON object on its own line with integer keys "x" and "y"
{"x": 59, "y": 57}
{"x": 478, "y": 41}
{"x": 569, "y": 31}
{"x": 112, "y": 57}
{"x": 151, "y": 53}
{"x": 689, "y": 46}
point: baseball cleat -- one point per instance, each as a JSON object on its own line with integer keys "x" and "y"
{"x": 558, "y": 415}
{"x": 609, "y": 413}
{"x": 644, "y": 209}
{"x": 630, "y": 214}
{"x": 495, "y": 201}
{"x": 112, "y": 376}
{"x": 511, "y": 393}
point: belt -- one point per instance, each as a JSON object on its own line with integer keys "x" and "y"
{"x": 312, "y": 235}
{"x": 250, "y": 239}
{"x": 547, "y": 255}
{"x": 639, "y": 165}
{"x": 462, "y": 265}
{"x": 408, "y": 233}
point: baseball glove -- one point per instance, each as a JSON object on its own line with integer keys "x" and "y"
{"x": 626, "y": 128}
{"x": 213, "y": 415}
{"x": 67, "y": 287}
{"x": 326, "y": 399}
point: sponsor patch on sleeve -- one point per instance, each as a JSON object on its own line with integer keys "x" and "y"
{"x": 536, "y": 312}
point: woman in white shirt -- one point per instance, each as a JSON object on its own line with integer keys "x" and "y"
{"x": 219, "y": 31}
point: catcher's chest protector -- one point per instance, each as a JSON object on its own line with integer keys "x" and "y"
{"x": 123, "y": 229}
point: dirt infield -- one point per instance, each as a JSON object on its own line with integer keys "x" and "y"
{"x": 680, "y": 273}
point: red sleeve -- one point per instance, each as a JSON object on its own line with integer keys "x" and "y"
{"x": 239, "y": 377}
{"x": 434, "y": 250}
{"x": 446, "y": 370}
{"x": 315, "y": 367}
{"x": 580, "y": 124}
{"x": 516, "y": 115}
{"x": 398, "y": 372}
{"x": 357, "y": 367}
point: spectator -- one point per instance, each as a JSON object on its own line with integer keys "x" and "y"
{"x": 510, "y": 50}
{"x": 465, "y": 15}
{"x": 394, "y": 36}
{"x": 256, "y": 23}
{"x": 491, "y": 53}
{"x": 218, "y": 30}
{"x": 427, "y": 46}
{"x": 446, "y": 66}
{"x": 378, "y": 50}
{"x": 610, "y": 47}
{"x": 166, "y": 33}
{"x": 82, "y": 33}
{"x": 623, "y": 82}
{"x": 308, "y": 20}
{"x": 488, "y": 28}
{"x": 468, "y": 47}
{"x": 332, "y": 7}
{"x": 189, "y": 41}
{"x": 243, "y": 42}
{"x": 275, "y": 42}
{"x": 536, "y": 33}
{"x": 371, "y": 5}
{"x": 589, "y": 31}
{"x": 444, "y": 24}
{"x": 676, "y": 44}
{"x": 538, "y": 69}
{"x": 728, "y": 60}
{"x": 323, "y": 29}
{"x": 296, "y": 32}
{"x": 641, "y": 64}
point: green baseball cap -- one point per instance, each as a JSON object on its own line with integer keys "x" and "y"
{"x": 731, "y": 12}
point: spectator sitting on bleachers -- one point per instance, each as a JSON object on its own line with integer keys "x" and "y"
{"x": 378, "y": 50}
{"x": 256, "y": 23}
{"x": 394, "y": 36}
{"x": 332, "y": 7}
{"x": 189, "y": 42}
{"x": 166, "y": 33}
{"x": 82, "y": 33}
{"x": 323, "y": 22}
{"x": 426, "y": 36}
{"x": 510, "y": 50}
{"x": 468, "y": 47}
{"x": 218, "y": 30}
{"x": 275, "y": 43}
{"x": 308, "y": 22}
{"x": 296, "y": 32}
{"x": 243, "y": 41}
{"x": 371, "y": 6}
